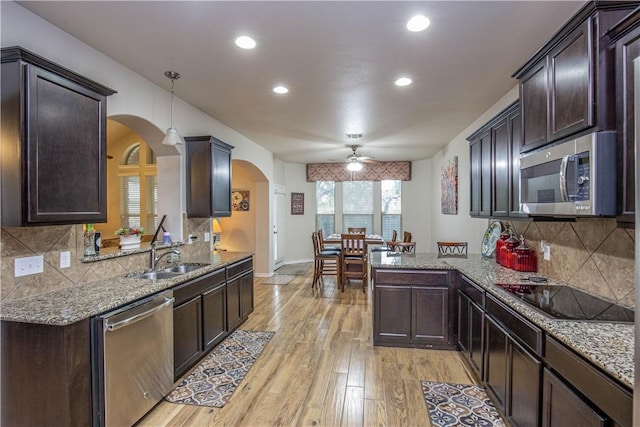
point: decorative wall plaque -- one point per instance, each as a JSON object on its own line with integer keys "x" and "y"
{"x": 297, "y": 203}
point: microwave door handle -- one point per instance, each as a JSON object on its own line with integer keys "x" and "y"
{"x": 563, "y": 178}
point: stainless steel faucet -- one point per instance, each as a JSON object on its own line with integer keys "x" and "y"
{"x": 154, "y": 259}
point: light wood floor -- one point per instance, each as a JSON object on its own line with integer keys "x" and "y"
{"x": 321, "y": 368}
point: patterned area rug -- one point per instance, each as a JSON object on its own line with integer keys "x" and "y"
{"x": 278, "y": 279}
{"x": 459, "y": 404}
{"x": 214, "y": 380}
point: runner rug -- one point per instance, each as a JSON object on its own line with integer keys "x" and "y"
{"x": 459, "y": 404}
{"x": 214, "y": 380}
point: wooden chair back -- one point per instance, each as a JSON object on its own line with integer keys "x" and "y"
{"x": 407, "y": 237}
{"x": 452, "y": 248}
{"x": 357, "y": 230}
{"x": 353, "y": 245}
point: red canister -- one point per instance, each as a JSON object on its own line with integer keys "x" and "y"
{"x": 524, "y": 258}
{"x": 506, "y": 251}
{"x": 500, "y": 244}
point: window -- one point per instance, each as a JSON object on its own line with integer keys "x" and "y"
{"x": 357, "y": 205}
{"x": 325, "y": 206}
{"x": 391, "y": 208}
{"x": 138, "y": 188}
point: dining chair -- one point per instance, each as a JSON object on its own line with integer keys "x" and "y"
{"x": 323, "y": 246}
{"x": 357, "y": 230}
{"x": 391, "y": 245}
{"x": 354, "y": 258}
{"x": 406, "y": 246}
{"x": 326, "y": 262}
{"x": 452, "y": 249}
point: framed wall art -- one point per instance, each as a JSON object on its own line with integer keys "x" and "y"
{"x": 449, "y": 187}
{"x": 297, "y": 203}
{"x": 240, "y": 200}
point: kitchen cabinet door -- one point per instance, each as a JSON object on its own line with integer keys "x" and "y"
{"x": 561, "y": 406}
{"x": 486, "y": 174}
{"x": 627, "y": 49}
{"x": 187, "y": 335}
{"x": 476, "y": 329}
{"x": 533, "y": 102}
{"x": 501, "y": 183}
{"x": 496, "y": 362}
{"x": 524, "y": 386}
{"x": 515, "y": 138}
{"x": 430, "y": 308}
{"x": 570, "y": 77}
{"x": 208, "y": 177}
{"x": 464, "y": 336}
{"x": 475, "y": 167}
{"x": 246, "y": 295}
{"x": 234, "y": 310}
{"x": 392, "y": 316}
{"x": 214, "y": 316}
{"x": 53, "y": 143}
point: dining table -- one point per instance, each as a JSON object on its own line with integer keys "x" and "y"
{"x": 370, "y": 239}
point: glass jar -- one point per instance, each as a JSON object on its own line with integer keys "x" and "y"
{"x": 506, "y": 251}
{"x": 524, "y": 258}
{"x": 89, "y": 241}
{"x": 499, "y": 244}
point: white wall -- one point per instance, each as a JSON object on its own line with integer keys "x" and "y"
{"x": 461, "y": 227}
{"x": 299, "y": 227}
{"x": 417, "y": 200}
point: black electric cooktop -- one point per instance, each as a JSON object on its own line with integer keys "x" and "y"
{"x": 567, "y": 303}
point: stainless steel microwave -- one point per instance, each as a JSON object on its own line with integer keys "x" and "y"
{"x": 573, "y": 178}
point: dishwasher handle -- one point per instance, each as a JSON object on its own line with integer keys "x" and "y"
{"x": 137, "y": 317}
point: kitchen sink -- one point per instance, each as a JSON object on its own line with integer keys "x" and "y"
{"x": 155, "y": 275}
{"x": 184, "y": 268}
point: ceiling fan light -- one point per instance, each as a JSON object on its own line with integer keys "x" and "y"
{"x": 354, "y": 166}
{"x": 172, "y": 137}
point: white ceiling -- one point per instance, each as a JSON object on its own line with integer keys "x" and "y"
{"x": 339, "y": 60}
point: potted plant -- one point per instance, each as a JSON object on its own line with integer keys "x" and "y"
{"x": 129, "y": 237}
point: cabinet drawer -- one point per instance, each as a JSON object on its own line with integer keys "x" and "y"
{"x": 612, "y": 398}
{"x": 521, "y": 329}
{"x": 473, "y": 291}
{"x": 239, "y": 268}
{"x": 411, "y": 277}
{"x": 197, "y": 286}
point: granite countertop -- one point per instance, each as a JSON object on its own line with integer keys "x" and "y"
{"x": 610, "y": 346}
{"x": 81, "y": 302}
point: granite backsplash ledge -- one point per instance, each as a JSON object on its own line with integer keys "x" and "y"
{"x": 49, "y": 241}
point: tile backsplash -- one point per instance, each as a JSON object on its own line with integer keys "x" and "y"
{"x": 590, "y": 254}
{"x": 49, "y": 241}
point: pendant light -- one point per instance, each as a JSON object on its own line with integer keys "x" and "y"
{"x": 172, "y": 136}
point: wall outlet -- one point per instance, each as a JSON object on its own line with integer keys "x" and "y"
{"x": 207, "y": 237}
{"x": 29, "y": 265}
{"x": 546, "y": 251}
{"x": 65, "y": 259}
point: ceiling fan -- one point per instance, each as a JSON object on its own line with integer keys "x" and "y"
{"x": 355, "y": 160}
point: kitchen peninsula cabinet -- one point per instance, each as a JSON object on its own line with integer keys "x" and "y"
{"x": 567, "y": 86}
{"x": 239, "y": 293}
{"x": 471, "y": 324}
{"x": 626, "y": 38}
{"x": 208, "y": 177}
{"x": 414, "y": 308}
{"x": 53, "y": 143}
{"x": 495, "y": 166}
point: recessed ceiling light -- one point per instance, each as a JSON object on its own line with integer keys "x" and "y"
{"x": 245, "y": 42}
{"x": 403, "y": 81}
{"x": 418, "y": 23}
{"x": 281, "y": 90}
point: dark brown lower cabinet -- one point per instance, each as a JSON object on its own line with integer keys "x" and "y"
{"x": 524, "y": 386}
{"x": 496, "y": 364}
{"x": 414, "y": 308}
{"x": 214, "y": 316}
{"x": 563, "y": 407}
{"x": 470, "y": 325}
{"x": 187, "y": 335}
{"x": 234, "y": 311}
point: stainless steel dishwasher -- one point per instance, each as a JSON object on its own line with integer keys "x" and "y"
{"x": 133, "y": 360}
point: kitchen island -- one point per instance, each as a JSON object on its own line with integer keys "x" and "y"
{"x": 556, "y": 346}
{"x": 48, "y": 352}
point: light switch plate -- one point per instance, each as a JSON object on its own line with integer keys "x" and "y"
{"x": 65, "y": 259}
{"x": 207, "y": 237}
{"x": 29, "y": 265}
{"x": 546, "y": 251}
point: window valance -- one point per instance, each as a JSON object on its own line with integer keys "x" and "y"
{"x": 377, "y": 171}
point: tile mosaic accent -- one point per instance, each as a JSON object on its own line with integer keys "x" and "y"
{"x": 49, "y": 241}
{"x": 590, "y": 254}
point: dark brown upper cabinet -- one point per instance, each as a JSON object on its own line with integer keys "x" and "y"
{"x": 567, "y": 86}
{"x": 495, "y": 166}
{"x": 626, "y": 38}
{"x": 53, "y": 143}
{"x": 208, "y": 177}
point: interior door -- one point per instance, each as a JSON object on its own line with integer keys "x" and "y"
{"x": 279, "y": 216}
